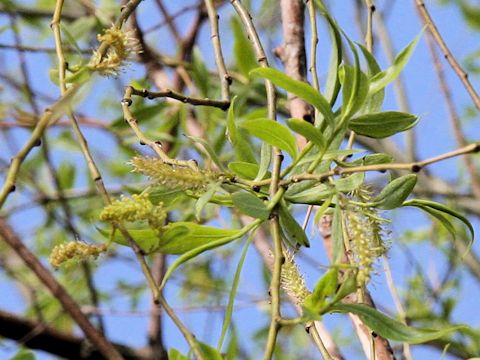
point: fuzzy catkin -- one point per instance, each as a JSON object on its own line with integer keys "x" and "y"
{"x": 120, "y": 46}
{"x": 136, "y": 208}
{"x": 292, "y": 281}
{"x": 171, "y": 176}
{"x": 75, "y": 249}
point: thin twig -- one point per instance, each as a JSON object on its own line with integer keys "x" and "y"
{"x": 57, "y": 290}
{"x": 454, "y": 119}
{"x": 278, "y": 256}
{"x": 225, "y": 78}
{"x": 462, "y": 74}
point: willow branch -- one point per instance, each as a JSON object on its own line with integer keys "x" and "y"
{"x": 58, "y": 291}
{"x": 40, "y": 336}
{"x": 225, "y": 78}
{"x": 462, "y": 74}
{"x": 454, "y": 119}
{"x": 168, "y": 93}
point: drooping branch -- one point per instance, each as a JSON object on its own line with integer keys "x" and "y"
{"x": 39, "y": 336}
{"x": 58, "y": 291}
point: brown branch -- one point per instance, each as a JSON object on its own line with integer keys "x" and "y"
{"x": 40, "y": 336}
{"x": 293, "y": 55}
{"x": 168, "y": 93}
{"x": 155, "y": 328}
{"x": 58, "y": 291}
{"x": 454, "y": 119}
{"x": 462, "y": 74}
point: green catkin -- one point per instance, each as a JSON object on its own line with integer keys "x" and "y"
{"x": 292, "y": 281}
{"x": 365, "y": 231}
{"x": 173, "y": 177}
{"x": 136, "y": 208}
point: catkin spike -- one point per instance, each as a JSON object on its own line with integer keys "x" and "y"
{"x": 174, "y": 177}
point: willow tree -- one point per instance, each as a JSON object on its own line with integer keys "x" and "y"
{"x": 143, "y": 162}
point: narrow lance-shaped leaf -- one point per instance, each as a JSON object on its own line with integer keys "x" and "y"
{"x": 291, "y": 229}
{"x": 244, "y": 169}
{"x": 308, "y": 131}
{"x": 250, "y": 205}
{"x": 241, "y": 146}
{"x": 325, "y": 287}
{"x": 273, "y": 133}
{"x": 395, "y": 193}
{"x": 383, "y": 78}
{"x": 374, "y": 101}
{"x": 383, "y": 124}
{"x": 429, "y": 205}
{"x": 298, "y": 88}
{"x": 243, "y": 51}
{"x": 265, "y": 158}
{"x": 393, "y": 329}
{"x": 337, "y": 235}
{"x": 208, "y": 246}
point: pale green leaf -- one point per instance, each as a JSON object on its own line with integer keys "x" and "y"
{"x": 250, "y": 205}
{"x": 383, "y": 124}
{"x": 392, "y": 329}
{"x": 308, "y": 131}
{"x": 395, "y": 193}
{"x": 273, "y": 133}
{"x": 298, "y": 88}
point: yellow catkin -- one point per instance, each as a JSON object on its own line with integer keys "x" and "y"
{"x": 173, "y": 177}
{"x": 121, "y": 46}
{"x": 136, "y": 208}
{"x": 292, "y": 281}
{"x": 75, "y": 249}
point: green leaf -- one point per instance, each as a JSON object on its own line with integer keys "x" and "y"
{"x": 146, "y": 239}
{"x": 393, "y": 329}
{"x": 395, "y": 193}
{"x": 167, "y": 196}
{"x": 174, "y": 354}
{"x": 374, "y": 101}
{"x": 181, "y": 237}
{"x": 308, "y": 131}
{"x": 244, "y": 54}
{"x": 313, "y": 195}
{"x": 349, "y": 183}
{"x": 383, "y": 124}
{"x": 383, "y": 78}
{"x": 233, "y": 293}
{"x": 199, "y": 72}
{"x": 273, "y": 133}
{"x": 207, "y": 246}
{"x": 332, "y": 83}
{"x": 206, "y": 148}
{"x": 291, "y": 229}
{"x": 205, "y": 198}
{"x": 337, "y": 235}
{"x": 427, "y": 205}
{"x": 265, "y": 158}
{"x": 176, "y": 238}
{"x": 298, "y": 88}
{"x": 238, "y": 138}
{"x": 325, "y": 287}
{"x": 66, "y": 175}
{"x": 245, "y": 170}
{"x": 250, "y": 205}
{"x": 210, "y": 352}
{"x": 354, "y": 89}
{"x": 24, "y": 354}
